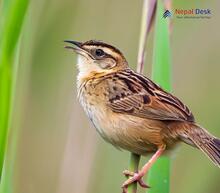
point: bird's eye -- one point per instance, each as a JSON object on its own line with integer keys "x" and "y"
{"x": 99, "y": 52}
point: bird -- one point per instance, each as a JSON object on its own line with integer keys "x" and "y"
{"x": 131, "y": 112}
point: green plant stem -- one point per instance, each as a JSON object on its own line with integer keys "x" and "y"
{"x": 159, "y": 174}
{"x": 133, "y": 166}
{"x": 158, "y": 177}
{"x": 146, "y": 23}
{"x": 12, "y": 16}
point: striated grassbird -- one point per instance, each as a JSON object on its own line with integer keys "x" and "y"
{"x": 132, "y": 112}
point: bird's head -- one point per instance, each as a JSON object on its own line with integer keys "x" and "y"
{"x": 96, "y": 57}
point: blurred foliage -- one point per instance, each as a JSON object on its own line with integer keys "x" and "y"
{"x": 12, "y": 16}
{"x": 58, "y": 150}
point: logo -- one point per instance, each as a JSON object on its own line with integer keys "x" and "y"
{"x": 167, "y": 13}
{"x": 193, "y": 13}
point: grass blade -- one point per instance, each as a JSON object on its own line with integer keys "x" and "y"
{"x": 159, "y": 174}
{"x": 12, "y": 16}
{"x": 146, "y": 24}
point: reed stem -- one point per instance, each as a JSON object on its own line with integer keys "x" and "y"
{"x": 146, "y": 22}
{"x": 159, "y": 174}
{"x": 158, "y": 177}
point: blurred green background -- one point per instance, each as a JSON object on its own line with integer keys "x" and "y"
{"x": 58, "y": 150}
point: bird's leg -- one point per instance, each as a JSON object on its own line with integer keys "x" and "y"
{"x": 137, "y": 177}
{"x": 128, "y": 173}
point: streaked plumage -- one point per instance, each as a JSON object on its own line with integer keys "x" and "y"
{"x": 132, "y": 112}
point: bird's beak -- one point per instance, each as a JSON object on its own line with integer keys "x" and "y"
{"x": 76, "y": 46}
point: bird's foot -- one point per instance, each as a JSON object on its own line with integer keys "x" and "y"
{"x": 134, "y": 177}
{"x": 137, "y": 176}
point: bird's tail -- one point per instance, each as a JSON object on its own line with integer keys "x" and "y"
{"x": 203, "y": 140}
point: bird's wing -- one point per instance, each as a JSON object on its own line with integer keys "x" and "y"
{"x": 134, "y": 94}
